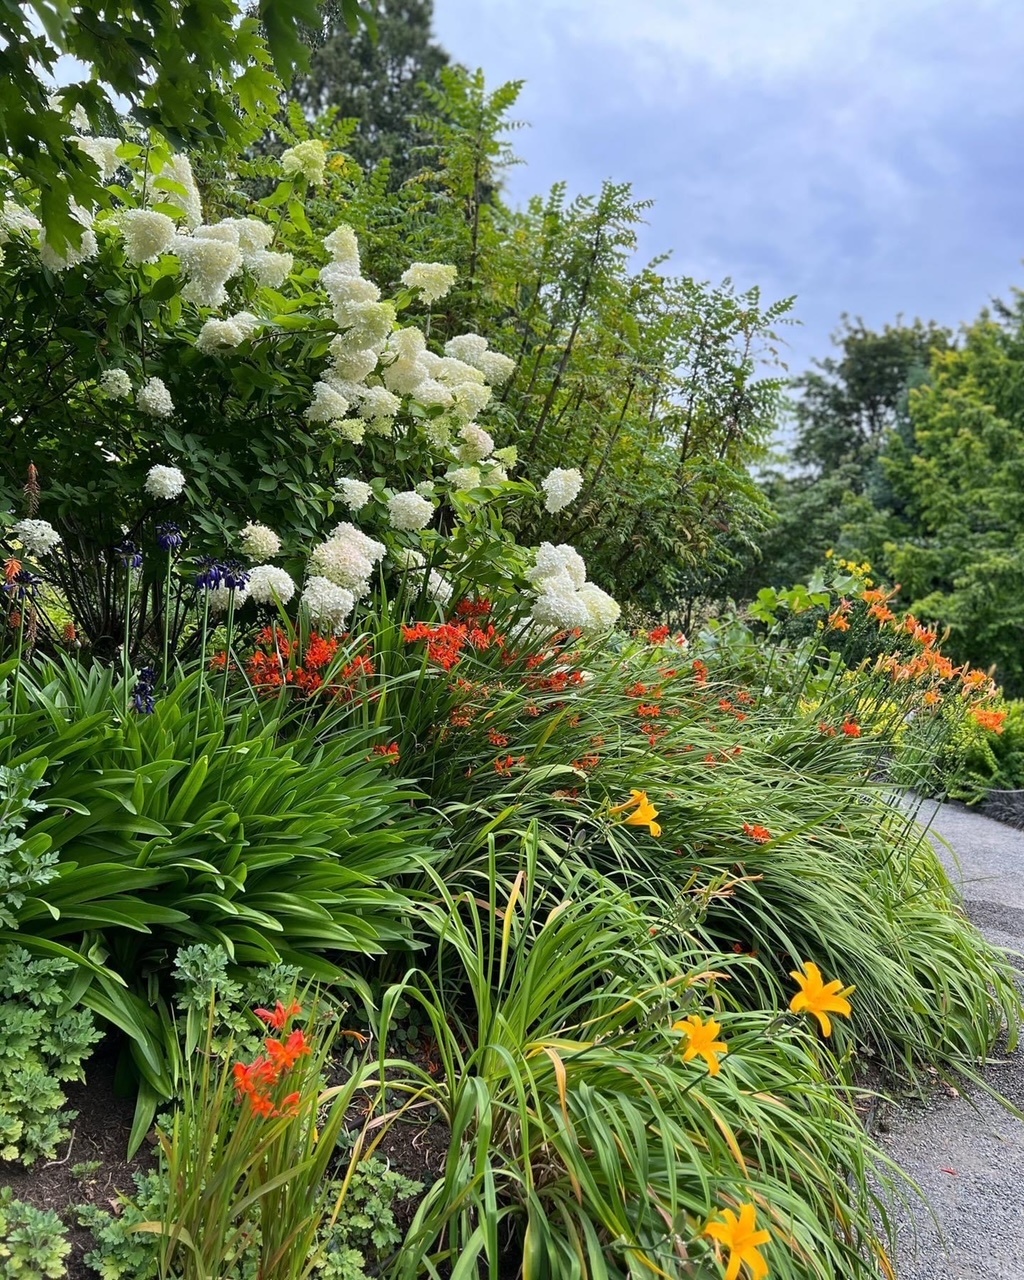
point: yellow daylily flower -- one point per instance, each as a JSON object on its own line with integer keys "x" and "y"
{"x": 740, "y": 1237}
{"x": 818, "y": 997}
{"x": 643, "y": 814}
{"x": 701, "y": 1042}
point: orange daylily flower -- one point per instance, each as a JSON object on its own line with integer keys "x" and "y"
{"x": 701, "y": 1042}
{"x": 989, "y": 719}
{"x": 818, "y": 997}
{"x": 643, "y": 814}
{"x": 742, "y": 1239}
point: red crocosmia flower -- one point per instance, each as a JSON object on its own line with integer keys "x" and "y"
{"x": 280, "y": 1015}
{"x": 757, "y": 833}
{"x": 659, "y": 635}
{"x": 286, "y": 1055}
{"x": 851, "y": 728}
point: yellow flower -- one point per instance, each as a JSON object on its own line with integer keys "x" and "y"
{"x": 818, "y": 997}
{"x": 643, "y": 814}
{"x": 701, "y": 1042}
{"x": 742, "y": 1240}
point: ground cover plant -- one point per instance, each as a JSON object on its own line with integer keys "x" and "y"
{"x": 303, "y": 674}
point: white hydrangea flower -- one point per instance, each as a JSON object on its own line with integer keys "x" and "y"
{"x": 226, "y": 230}
{"x": 468, "y": 398}
{"x": 219, "y": 335}
{"x": 603, "y": 612}
{"x": 429, "y": 392}
{"x": 472, "y": 349}
{"x": 425, "y": 488}
{"x": 408, "y": 558}
{"x": 115, "y": 383}
{"x": 467, "y": 347}
{"x": 507, "y": 456}
{"x": 164, "y": 482}
{"x": 351, "y": 429}
{"x": 103, "y": 153}
{"x": 327, "y": 604}
{"x": 354, "y": 493}
{"x": 251, "y": 235}
{"x": 550, "y": 561}
{"x": 433, "y": 279}
{"x": 561, "y": 486}
{"x": 407, "y": 344}
{"x": 220, "y": 598}
{"x": 406, "y": 369}
{"x": 270, "y": 269}
{"x": 368, "y": 325}
{"x": 147, "y": 234}
{"x": 341, "y": 562}
{"x": 343, "y": 247}
{"x": 38, "y": 536}
{"x": 15, "y": 218}
{"x": 381, "y": 427}
{"x": 344, "y": 288}
{"x": 364, "y": 544}
{"x": 353, "y": 365}
{"x": 328, "y": 405}
{"x": 462, "y": 478}
{"x": 452, "y": 372}
{"x": 306, "y": 159}
{"x": 269, "y": 584}
{"x": 560, "y": 606}
{"x": 494, "y": 474}
{"x": 476, "y": 445}
{"x": 496, "y": 368}
{"x": 439, "y": 589}
{"x": 378, "y": 402}
{"x": 208, "y": 263}
{"x": 155, "y": 399}
{"x": 409, "y": 512}
{"x": 70, "y": 257}
{"x": 179, "y": 172}
{"x": 261, "y": 542}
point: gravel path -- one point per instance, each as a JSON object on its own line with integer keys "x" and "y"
{"x": 967, "y": 1153}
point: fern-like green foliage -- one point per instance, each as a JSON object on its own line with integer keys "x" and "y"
{"x": 33, "y": 1242}
{"x": 46, "y": 1040}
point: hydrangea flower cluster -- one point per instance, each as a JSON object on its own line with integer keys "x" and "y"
{"x": 155, "y": 399}
{"x": 269, "y": 585}
{"x": 409, "y": 511}
{"x": 116, "y": 384}
{"x": 39, "y": 537}
{"x": 164, "y": 482}
{"x": 147, "y": 234}
{"x": 347, "y": 559}
{"x": 220, "y": 335}
{"x": 71, "y": 256}
{"x": 561, "y": 486}
{"x": 433, "y": 279}
{"x": 260, "y": 541}
{"x": 327, "y": 604}
{"x": 565, "y": 599}
{"x": 306, "y": 160}
{"x": 354, "y": 493}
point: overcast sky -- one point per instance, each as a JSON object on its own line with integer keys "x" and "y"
{"x": 861, "y": 154}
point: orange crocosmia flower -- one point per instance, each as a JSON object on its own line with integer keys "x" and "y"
{"x": 659, "y": 635}
{"x": 701, "y": 1042}
{"x": 829, "y": 730}
{"x": 741, "y": 1237}
{"x": 989, "y": 719}
{"x": 279, "y": 1015}
{"x": 286, "y": 1055}
{"x": 851, "y": 728}
{"x": 818, "y": 997}
{"x": 642, "y": 812}
{"x": 12, "y": 567}
{"x": 757, "y": 833}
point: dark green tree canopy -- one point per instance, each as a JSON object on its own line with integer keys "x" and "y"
{"x": 377, "y": 79}
{"x": 847, "y": 403}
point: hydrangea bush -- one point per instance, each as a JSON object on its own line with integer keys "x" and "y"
{"x": 243, "y": 399}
